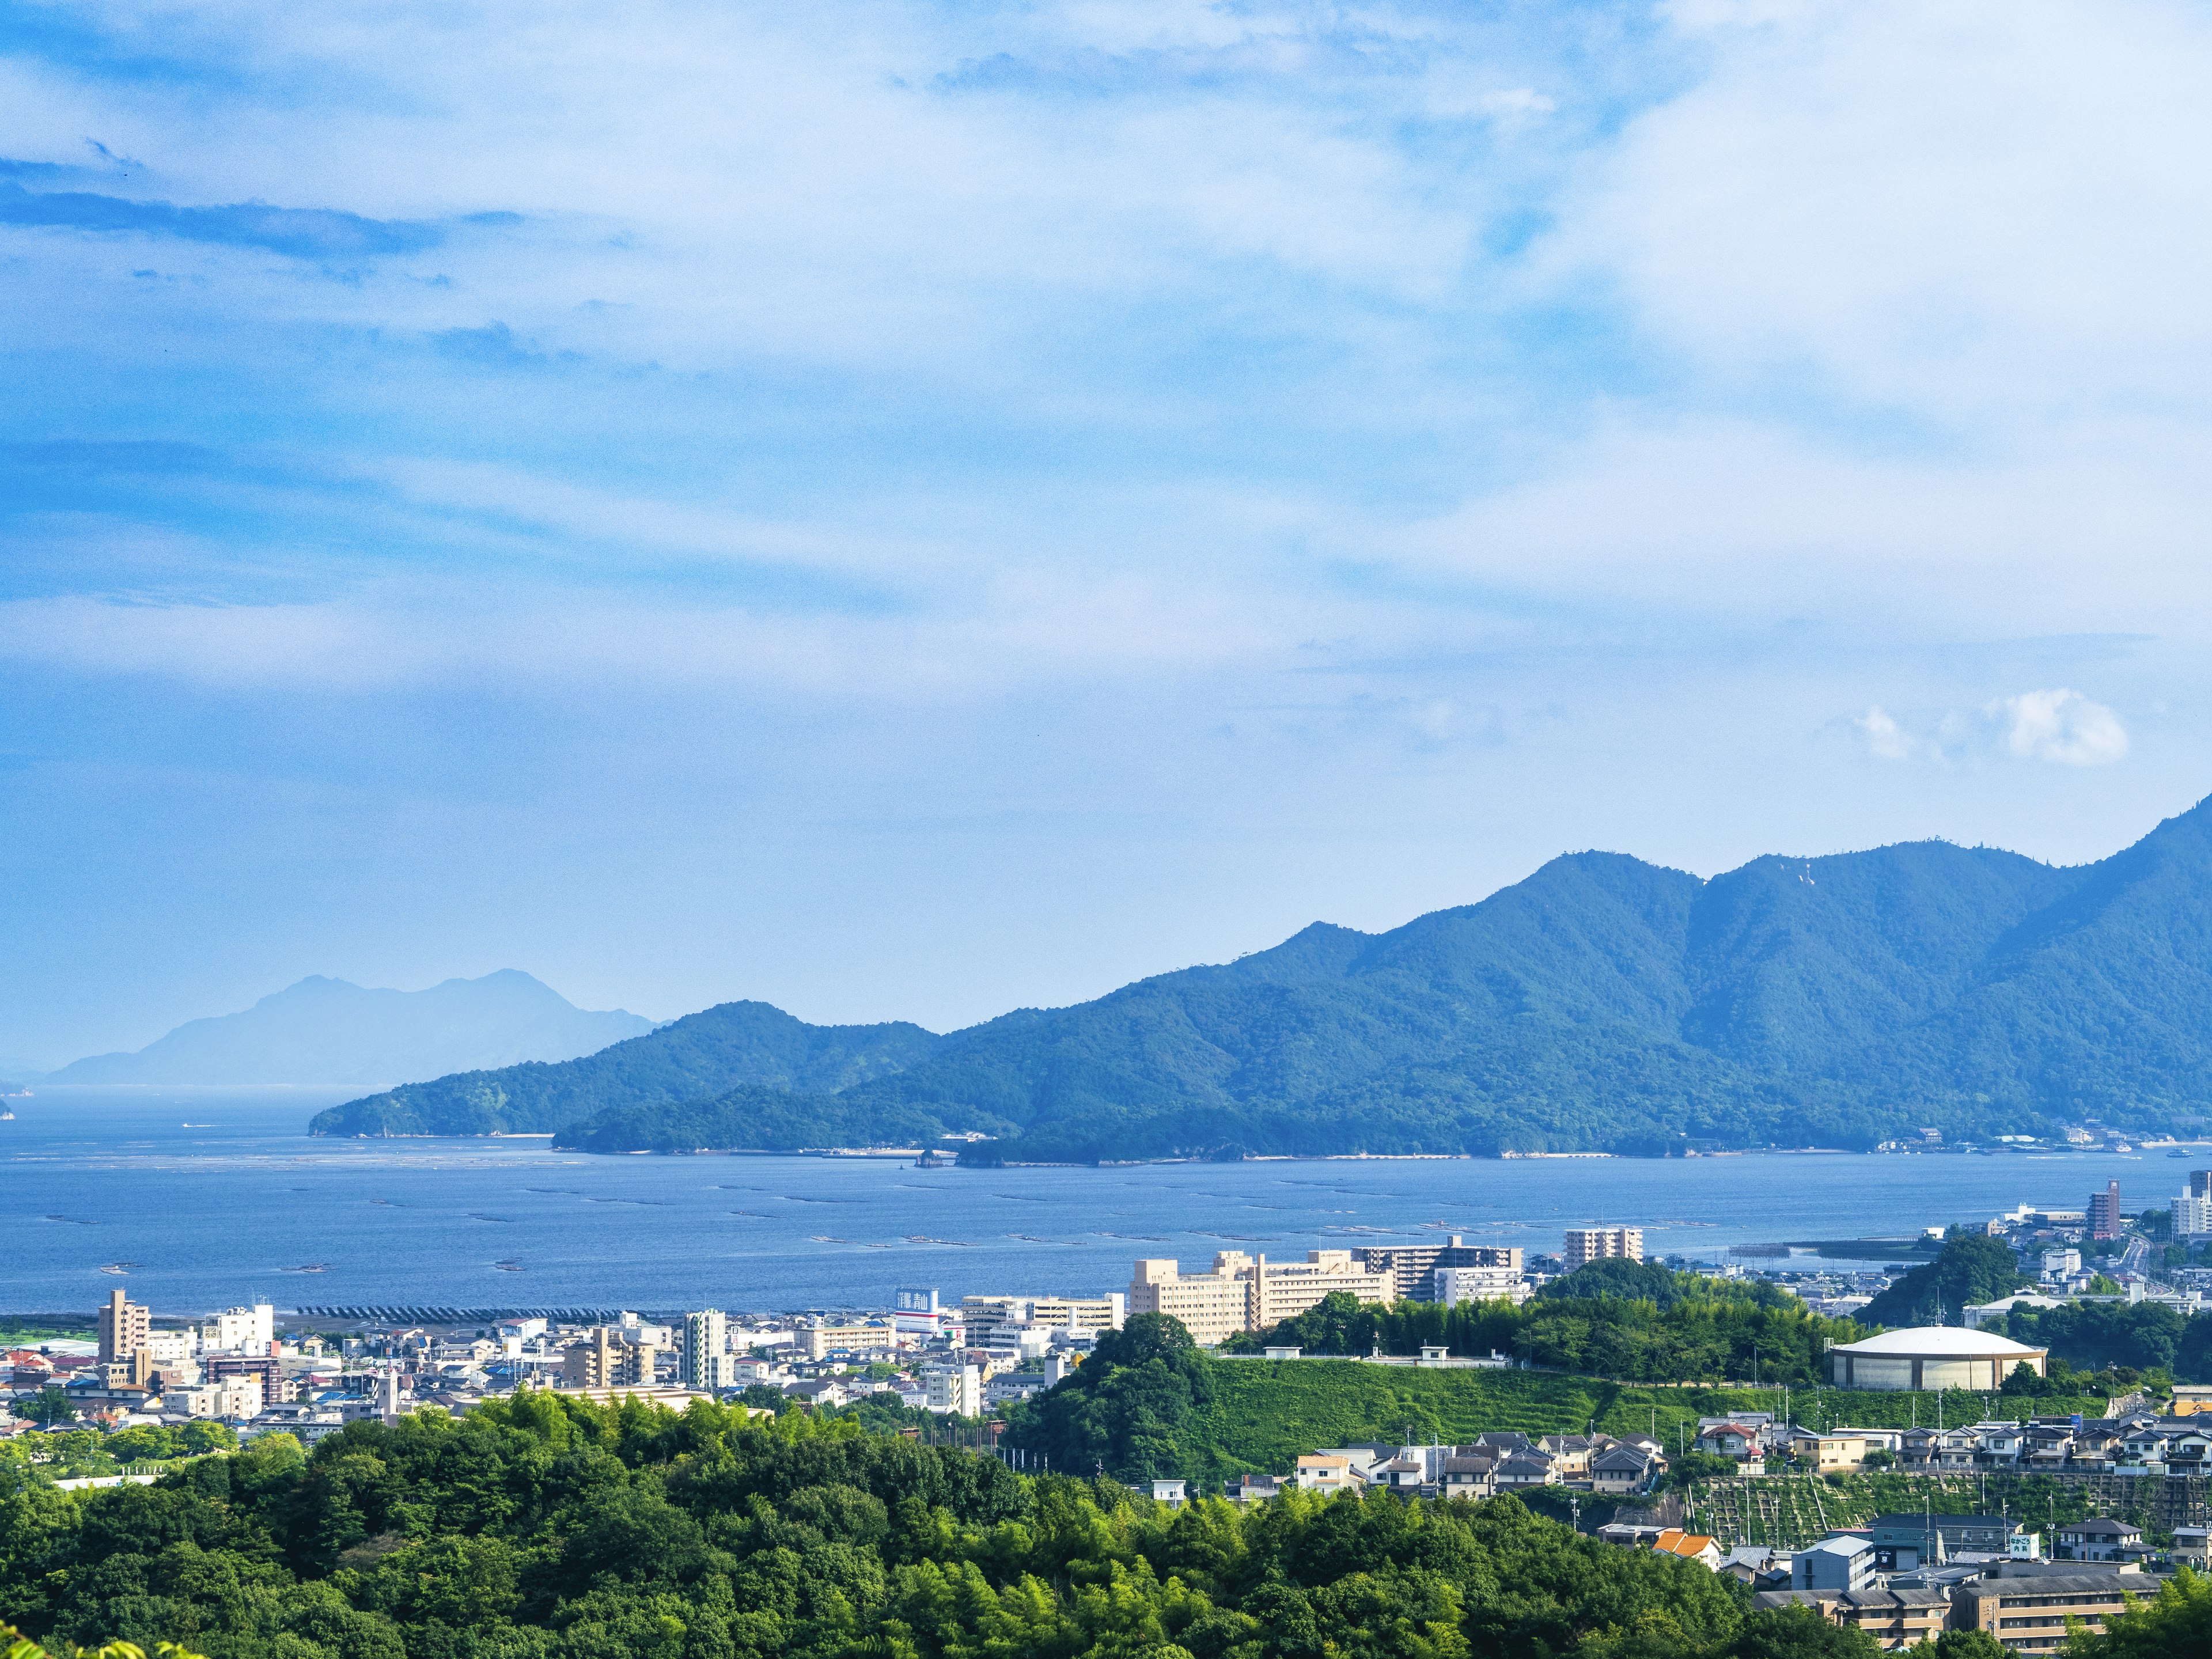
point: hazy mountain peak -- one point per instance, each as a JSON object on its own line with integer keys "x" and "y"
{"x": 321, "y": 1030}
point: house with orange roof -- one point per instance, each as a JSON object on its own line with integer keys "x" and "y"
{"x": 1690, "y": 1546}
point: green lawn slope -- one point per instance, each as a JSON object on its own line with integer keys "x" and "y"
{"x": 1263, "y": 1413}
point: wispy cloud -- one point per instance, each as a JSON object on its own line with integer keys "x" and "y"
{"x": 2060, "y": 725}
{"x": 316, "y": 233}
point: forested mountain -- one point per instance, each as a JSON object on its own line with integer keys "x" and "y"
{"x": 326, "y": 1030}
{"x": 747, "y": 1044}
{"x": 1603, "y": 1003}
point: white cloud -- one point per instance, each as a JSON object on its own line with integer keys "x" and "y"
{"x": 1885, "y": 739}
{"x": 2061, "y": 726}
{"x": 1988, "y": 211}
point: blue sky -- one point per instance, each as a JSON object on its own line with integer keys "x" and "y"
{"x": 907, "y": 511}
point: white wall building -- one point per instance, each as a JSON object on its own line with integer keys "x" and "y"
{"x": 1456, "y": 1285}
{"x": 955, "y": 1388}
{"x": 707, "y": 1363}
{"x": 240, "y": 1330}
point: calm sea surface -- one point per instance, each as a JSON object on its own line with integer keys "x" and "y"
{"x": 209, "y": 1197}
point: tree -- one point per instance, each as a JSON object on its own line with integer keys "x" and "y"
{"x": 50, "y": 1405}
{"x": 1972, "y": 1268}
{"x": 2175, "y": 1624}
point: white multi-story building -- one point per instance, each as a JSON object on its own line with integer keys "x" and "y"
{"x": 955, "y": 1388}
{"x": 1587, "y": 1244}
{"x": 234, "y": 1398}
{"x": 984, "y": 1315}
{"x": 1456, "y": 1285}
{"x": 240, "y": 1330}
{"x": 2192, "y": 1216}
{"x": 707, "y": 1362}
{"x": 2064, "y": 1264}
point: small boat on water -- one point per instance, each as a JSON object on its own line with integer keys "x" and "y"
{"x": 7, "y": 1116}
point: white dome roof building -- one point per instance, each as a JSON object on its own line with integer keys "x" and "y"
{"x": 1932, "y": 1356}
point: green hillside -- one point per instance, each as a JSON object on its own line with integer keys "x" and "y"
{"x": 1257, "y": 1416}
{"x": 1602, "y": 1004}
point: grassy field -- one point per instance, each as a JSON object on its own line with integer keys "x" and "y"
{"x": 1265, "y": 1412}
{"x": 29, "y": 1336}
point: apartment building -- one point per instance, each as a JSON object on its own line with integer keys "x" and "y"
{"x": 707, "y": 1362}
{"x": 1283, "y": 1289}
{"x": 1247, "y": 1293}
{"x": 125, "y": 1328}
{"x": 1894, "y": 1618}
{"x": 2105, "y": 1211}
{"x": 985, "y": 1316}
{"x": 1587, "y": 1244}
{"x": 241, "y": 1330}
{"x": 2029, "y": 1615}
{"x": 955, "y": 1388}
{"x": 1413, "y": 1268}
{"x": 604, "y": 1360}
{"x": 820, "y": 1341}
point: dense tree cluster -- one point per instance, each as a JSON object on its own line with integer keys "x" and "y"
{"x": 549, "y": 1527}
{"x": 1669, "y": 1327}
{"x": 1973, "y": 1268}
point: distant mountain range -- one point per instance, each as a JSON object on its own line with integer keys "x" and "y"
{"x": 325, "y": 1030}
{"x": 1604, "y": 1004}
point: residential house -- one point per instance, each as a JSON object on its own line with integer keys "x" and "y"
{"x": 2192, "y": 1547}
{"x": 1908, "y": 1540}
{"x": 1570, "y": 1453}
{"x": 1621, "y": 1469}
{"x": 1828, "y": 1452}
{"x": 2189, "y": 1452}
{"x": 1841, "y": 1561}
{"x": 1319, "y": 1472}
{"x": 1689, "y": 1547}
{"x": 2098, "y": 1539}
{"x": 825, "y": 1391}
{"x": 1469, "y": 1476}
{"x": 1170, "y": 1493}
{"x": 1526, "y": 1468}
{"x": 1254, "y": 1488}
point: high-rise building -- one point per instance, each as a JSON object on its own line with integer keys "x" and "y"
{"x": 2192, "y": 1216}
{"x": 1414, "y": 1268}
{"x": 707, "y": 1363}
{"x": 124, "y": 1329}
{"x": 1587, "y": 1244}
{"x": 2200, "y": 1183}
{"x": 2105, "y": 1211}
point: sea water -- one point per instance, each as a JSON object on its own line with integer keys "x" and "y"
{"x": 193, "y": 1199}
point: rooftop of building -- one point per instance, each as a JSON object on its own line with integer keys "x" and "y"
{"x": 1944, "y": 1341}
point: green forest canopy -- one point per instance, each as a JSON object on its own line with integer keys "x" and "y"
{"x": 548, "y": 1526}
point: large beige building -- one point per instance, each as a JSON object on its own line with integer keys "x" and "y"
{"x": 1587, "y": 1244}
{"x": 1247, "y": 1293}
{"x": 606, "y": 1361}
